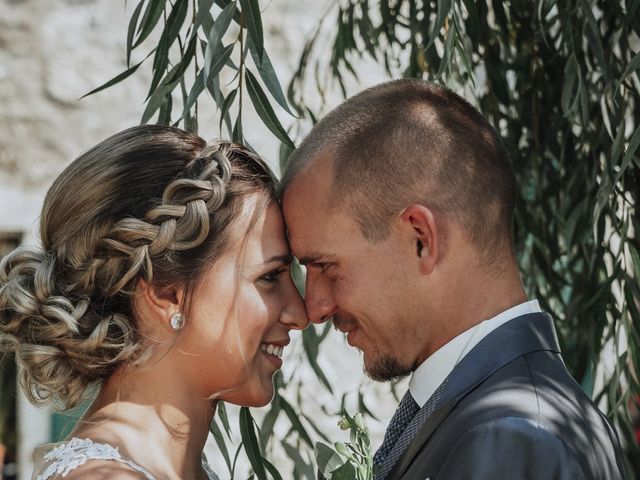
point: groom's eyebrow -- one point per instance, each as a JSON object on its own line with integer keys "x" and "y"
{"x": 314, "y": 258}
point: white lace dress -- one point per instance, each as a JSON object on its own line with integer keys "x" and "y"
{"x": 57, "y": 460}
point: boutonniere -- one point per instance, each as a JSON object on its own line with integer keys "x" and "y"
{"x": 352, "y": 460}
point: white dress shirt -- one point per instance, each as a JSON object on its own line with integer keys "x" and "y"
{"x": 432, "y": 372}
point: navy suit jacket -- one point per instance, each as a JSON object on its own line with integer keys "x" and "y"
{"x": 511, "y": 410}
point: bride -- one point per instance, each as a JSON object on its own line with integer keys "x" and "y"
{"x": 164, "y": 278}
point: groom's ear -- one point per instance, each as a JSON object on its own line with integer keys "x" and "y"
{"x": 422, "y": 226}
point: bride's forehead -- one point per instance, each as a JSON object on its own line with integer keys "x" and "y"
{"x": 258, "y": 232}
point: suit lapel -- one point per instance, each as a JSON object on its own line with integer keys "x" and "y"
{"x": 522, "y": 335}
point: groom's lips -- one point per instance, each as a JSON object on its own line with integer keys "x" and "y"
{"x": 351, "y": 336}
{"x": 346, "y": 326}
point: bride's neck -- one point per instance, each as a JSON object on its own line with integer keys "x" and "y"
{"x": 146, "y": 408}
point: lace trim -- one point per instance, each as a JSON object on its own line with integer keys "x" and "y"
{"x": 70, "y": 455}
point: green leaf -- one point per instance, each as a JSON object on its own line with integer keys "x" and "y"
{"x": 345, "y": 472}
{"x": 448, "y": 51}
{"x": 196, "y": 89}
{"x": 327, "y": 459}
{"x": 236, "y": 16}
{"x": 150, "y": 18}
{"x": 302, "y": 468}
{"x": 444, "y": 7}
{"x": 634, "y": 143}
{"x": 265, "y": 110}
{"x": 634, "y": 64}
{"x": 236, "y": 134}
{"x": 158, "y": 98}
{"x": 176, "y": 20}
{"x": 618, "y": 146}
{"x": 269, "y": 77}
{"x": 118, "y": 78}
{"x": 203, "y": 14}
{"x": 224, "y": 417}
{"x": 169, "y": 35}
{"x": 569, "y": 96}
{"x": 272, "y": 469}
{"x": 226, "y": 105}
{"x": 269, "y": 420}
{"x": 215, "y": 48}
{"x": 253, "y": 21}
{"x": 222, "y": 446}
{"x": 250, "y": 442}
{"x": 311, "y": 341}
{"x": 133, "y": 23}
{"x": 220, "y": 61}
{"x": 473, "y": 26}
{"x": 185, "y": 62}
{"x": 315, "y": 428}
{"x": 295, "y": 422}
{"x": 164, "y": 117}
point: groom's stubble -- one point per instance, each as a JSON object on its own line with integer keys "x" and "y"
{"x": 381, "y": 367}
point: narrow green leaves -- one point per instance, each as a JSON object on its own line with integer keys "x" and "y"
{"x": 215, "y": 49}
{"x": 269, "y": 77}
{"x": 265, "y": 110}
{"x": 149, "y": 20}
{"x": 295, "y": 422}
{"x": 118, "y": 78}
{"x": 250, "y": 441}
{"x": 253, "y": 22}
{"x": 222, "y": 445}
{"x": 203, "y": 13}
{"x": 133, "y": 23}
{"x": 169, "y": 35}
{"x": 226, "y": 105}
{"x": 634, "y": 65}
{"x": 219, "y": 62}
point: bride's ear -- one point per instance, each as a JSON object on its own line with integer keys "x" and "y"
{"x": 155, "y": 305}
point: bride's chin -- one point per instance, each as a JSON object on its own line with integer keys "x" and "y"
{"x": 261, "y": 399}
{"x": 254, "y": 398}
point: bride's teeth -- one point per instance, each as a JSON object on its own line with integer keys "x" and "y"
{"x": 271, "y": 349}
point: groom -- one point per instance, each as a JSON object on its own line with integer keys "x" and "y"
{"x": 400, "y": 204}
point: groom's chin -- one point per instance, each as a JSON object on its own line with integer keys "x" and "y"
{"x": 385, "y": 368}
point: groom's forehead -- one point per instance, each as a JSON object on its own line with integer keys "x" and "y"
{"x": 309, "y": 191}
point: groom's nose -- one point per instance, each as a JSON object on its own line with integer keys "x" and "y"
{"x": 319, "y": 300}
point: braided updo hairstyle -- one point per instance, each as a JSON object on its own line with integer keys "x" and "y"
{"x": 151, "y": 203}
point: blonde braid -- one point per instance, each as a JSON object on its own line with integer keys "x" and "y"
{"x": 61, "y": 342}
{"x": 180, "y": 222}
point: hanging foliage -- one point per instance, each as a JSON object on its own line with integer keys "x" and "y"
{"x": 559, "y": 81}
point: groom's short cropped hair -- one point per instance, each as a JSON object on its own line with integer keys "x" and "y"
{"x": 409, "y": 141}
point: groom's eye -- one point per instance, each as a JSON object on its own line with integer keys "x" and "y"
{"x": 322, "y": 266}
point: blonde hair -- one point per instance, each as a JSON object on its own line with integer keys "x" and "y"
{"x": 151, "y": 203}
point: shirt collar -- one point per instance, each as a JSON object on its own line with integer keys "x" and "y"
{"x": 432, "y": 372}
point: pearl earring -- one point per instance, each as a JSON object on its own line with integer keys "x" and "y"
{"x": 177, "y": 321}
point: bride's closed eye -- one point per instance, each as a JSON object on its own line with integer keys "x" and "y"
{"x": 272, "y": 277}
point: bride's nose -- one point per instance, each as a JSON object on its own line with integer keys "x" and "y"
{"x": 293, "y": 312}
